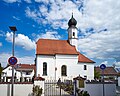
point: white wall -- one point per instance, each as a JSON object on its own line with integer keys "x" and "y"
{"x": 8, "y": 71}
{"x": 73, "y": 39}
{"x": 70, "y": 61}
{"x": 19, "y": 89}
{"x": 118, "y": 81}
{"x": 50, "y": 60}
{"x": 97, "y": 89}
{"x": 74, "y": 68}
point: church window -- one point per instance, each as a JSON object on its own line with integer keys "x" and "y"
{"x": 73, "y": 33}
{"x": 85, "y": 76}
{"x": 27, "y": 73}
{"x": 85, "y": 67}
{"x": 64, "y": 70}
{"x": 44, "y": 68}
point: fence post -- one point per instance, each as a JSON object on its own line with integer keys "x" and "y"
{"x": 74, "y": 83}
{"x": 59, "y": 84}
{"x": 60, "y": 89}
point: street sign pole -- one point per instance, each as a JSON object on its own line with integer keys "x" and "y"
{"x": 103, "y": 83}
{"x": 13, "y": 28}
{"x": 12, "y": 86}
{"x": 103, "y": 66}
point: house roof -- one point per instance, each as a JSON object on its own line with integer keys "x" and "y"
{"x": 39, "y": 78}
{"x": 82, "y": 58}
{"x": 25, "y": 67}
{"x": 79, "y": 78}
{"x": 108, "y": 71}
{"x": 52, "y": 47}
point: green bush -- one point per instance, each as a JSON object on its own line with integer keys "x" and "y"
{"x": 82, "y": 93}
{"x": 86, "y": 93}
{"x": 37, "y": 91}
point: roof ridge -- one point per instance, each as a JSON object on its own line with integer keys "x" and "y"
{"x": 51, "y": 39}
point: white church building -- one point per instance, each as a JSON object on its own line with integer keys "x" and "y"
{"x": 60, "y": 58}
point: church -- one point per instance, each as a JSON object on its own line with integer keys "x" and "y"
{"x": 60, "y": 58}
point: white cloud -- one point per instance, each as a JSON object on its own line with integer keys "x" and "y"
{"x": 28, "y": 1}
{"x": 21, "y": 40}
{"x": 26, "y": 60}
{"x": 44, "y": 1}
{"x": 32, "y": 14}
{"x": 23, "y": 60}
{"x": 49, "y": 35}
{"x": 16, "y": 18}
{"x": 97, "y": 14}
{"x": 105, "y": 62}
{"x": 2, "y": 33}
{"x": 4, "y": 58}
{"x": 57, "y": 15}
{"x": 101, "y": 45}
{"x": 117, "y": 64}
{"x": 12, "y": 1}
{"x": 0, "y": 44}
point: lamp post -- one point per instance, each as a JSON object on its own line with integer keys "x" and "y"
{"x": 13, "y": 28}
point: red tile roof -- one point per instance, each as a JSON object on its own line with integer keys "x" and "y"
{"x": 109, "y": 71}
{"x": 82, "y": 58}
{"x": 25, "y": 66}
{"x": 52, "y": 47}
{"x": 39, "y": 78}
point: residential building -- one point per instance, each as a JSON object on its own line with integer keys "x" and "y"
{"x": 109, "y": 73}
{"x": 22, "y": 72}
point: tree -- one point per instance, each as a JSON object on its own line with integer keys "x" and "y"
{"x": 96, "y": 74}
{"x": 1, "y": 68}
{"x": 83, "y": 93}
{"x": 86, "y": 93}
{"x": 37, "y": 91}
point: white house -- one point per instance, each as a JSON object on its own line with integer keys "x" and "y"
{"x": 22, "y": 72}
{"x": 61, "y": 59}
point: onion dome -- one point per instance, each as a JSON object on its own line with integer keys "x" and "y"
{"x": 72, "y": 22}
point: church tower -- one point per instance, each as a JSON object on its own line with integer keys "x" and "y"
{"x": 72, "y": 32}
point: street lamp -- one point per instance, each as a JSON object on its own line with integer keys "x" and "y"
{"x": 13, "y": 28}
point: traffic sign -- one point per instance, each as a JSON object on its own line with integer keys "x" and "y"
{"x": 12, "y": 60}
{"x": 102, "y": 66}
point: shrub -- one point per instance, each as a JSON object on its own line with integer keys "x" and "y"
{"x": 37, "y": 91}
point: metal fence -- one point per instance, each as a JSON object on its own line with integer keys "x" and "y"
{"x": 58, "y": 88}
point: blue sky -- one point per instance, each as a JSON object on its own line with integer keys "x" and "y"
{"x": 98, "y": 23}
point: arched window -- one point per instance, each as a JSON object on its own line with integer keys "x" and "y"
{"x": 64, "y": 70}
{"x": 73, "y": 33}
{"x": 44, "y": 68}
{"x": 85, "y": 67}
